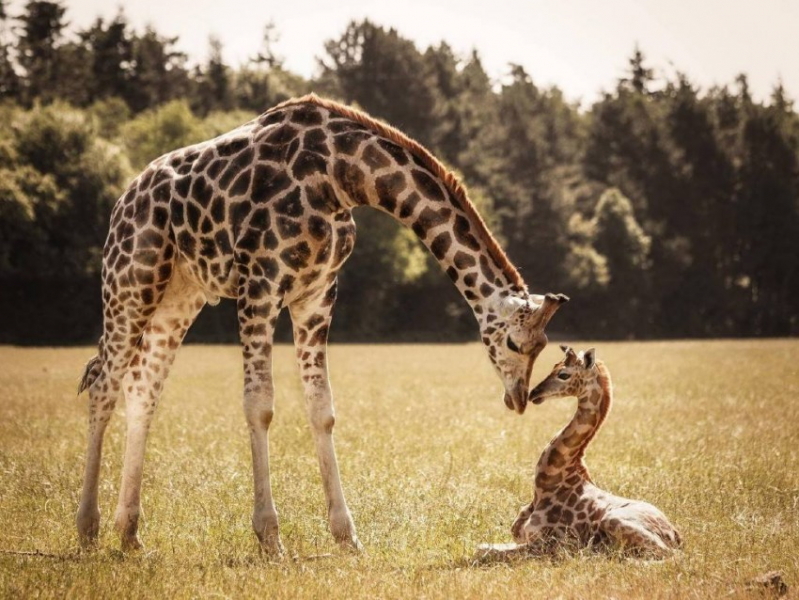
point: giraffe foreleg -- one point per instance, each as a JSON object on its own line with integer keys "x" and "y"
{"x": 142, "y": 386}
{"x": 256, "y": 329}
{"x": 311, "y": 323}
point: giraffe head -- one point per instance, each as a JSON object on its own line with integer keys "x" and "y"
{"x": 514, "y": 335}
{"x": 570, "y": 377}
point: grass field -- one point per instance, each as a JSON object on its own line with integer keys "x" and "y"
{"x": 433, "y": 464}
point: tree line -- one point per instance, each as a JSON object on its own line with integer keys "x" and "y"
{"x": 663, "y": 209}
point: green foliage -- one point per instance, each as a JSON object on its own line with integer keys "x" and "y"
{"x": 159, "y": 75}
{"x": 25, "y": 196}
{"x": 111, "y": 50}
{"x": 157, "y": 131}
{"x": 618, "y": 236}
{"x": 9, "y": 80}
{"x": 767, "y": 219}
{"x": 110, "y": 114}
{"x": 369, "y": 64}
{"x": 664, "y": 210}
{"x": 42, "y": 24}
{"x": 213, "y": 86}
{"x": 218, "y": 122}
{"x": 59, "y": 182}
{"x": 588, "y": 269}
{"x": 257, "y": 89}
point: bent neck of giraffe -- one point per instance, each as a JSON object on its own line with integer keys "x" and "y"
{"x": 455, "y": 235}
{"x": 566, "y": 450}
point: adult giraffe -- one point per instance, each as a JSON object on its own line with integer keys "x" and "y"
{"x": 263, "y": 214}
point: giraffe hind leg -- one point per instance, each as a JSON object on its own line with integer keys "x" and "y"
{"x": 143, "y": 384}
{"x": 135, "y": 274}
{"x": 104, "y": 389}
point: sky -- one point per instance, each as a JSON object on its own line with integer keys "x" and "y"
{"x": 582, "y": 46}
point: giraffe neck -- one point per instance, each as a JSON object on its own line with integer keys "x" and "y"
{"x": 564, "y": 454}
{"x": 368, "y": 162}
{"x": 453, "y": 237}
{"x": 440, "y": 216}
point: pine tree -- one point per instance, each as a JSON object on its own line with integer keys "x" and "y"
{"x": 111, "y": 57}
{"x": 370, "y": 64}
{"x": 42, "y": 26}
{"x": 9, "y": 80}
{"x": 214, "y": 89}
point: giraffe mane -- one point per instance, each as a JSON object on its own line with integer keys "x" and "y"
{"x": 426, "y": 158}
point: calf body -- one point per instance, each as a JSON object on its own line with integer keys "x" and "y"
{"x": 567, "y": 507}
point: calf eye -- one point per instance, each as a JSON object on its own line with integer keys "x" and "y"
{"x": 563, "y": 375}
{"x": 513, "y": 346}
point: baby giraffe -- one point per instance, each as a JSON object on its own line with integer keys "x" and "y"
{"x": 567, "y": 508}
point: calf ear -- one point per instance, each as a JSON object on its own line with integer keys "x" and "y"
{"x": 590, "y": 358}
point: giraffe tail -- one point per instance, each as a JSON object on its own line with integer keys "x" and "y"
{"x": 90, "y": 373}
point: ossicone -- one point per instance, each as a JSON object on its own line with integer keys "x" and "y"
{"x": 571, "y": 355}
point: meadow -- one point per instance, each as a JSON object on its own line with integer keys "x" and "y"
{"x": 432, "y": 462}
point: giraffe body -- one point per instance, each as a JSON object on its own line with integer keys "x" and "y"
{"x": 263, "y": 214}
{"x": 568, "y": 508}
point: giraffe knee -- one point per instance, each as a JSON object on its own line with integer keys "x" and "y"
{"x": 321, "y": 413}
{"x": 259, "y": 408}
{"x": 328, "y": 422}
{"x": 323, "y": 420}
{"x": 265, "y": 417}
{"x": 319, "y": 404}
{"x": 259, "y": 415}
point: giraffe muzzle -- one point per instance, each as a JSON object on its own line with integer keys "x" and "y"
{"x": 517, "y": 399}
{"x": 537, "y": 394}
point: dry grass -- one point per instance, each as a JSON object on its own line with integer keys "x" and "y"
{"x": 433, "y": 464}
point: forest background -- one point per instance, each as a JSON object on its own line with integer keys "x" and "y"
{"x": 663, "y": 209}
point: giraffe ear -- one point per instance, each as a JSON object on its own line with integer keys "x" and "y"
{"x": 590, "y": 358}
{"x": 508, "y": 306}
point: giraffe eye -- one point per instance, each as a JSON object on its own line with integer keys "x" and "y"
{"x": 513, "y": 346}
{"x": 564, "y": 375}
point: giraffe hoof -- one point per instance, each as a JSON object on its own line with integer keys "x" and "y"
{"x": 343, "y": 530}
{"x": 272, "y": 547}
{"x": 132, "y": 544}
{"x": 352, "y": 545}
{"x": 88, "y": 543}
{"x": 88, "y": 529}
{"x": 127, "y": 526}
